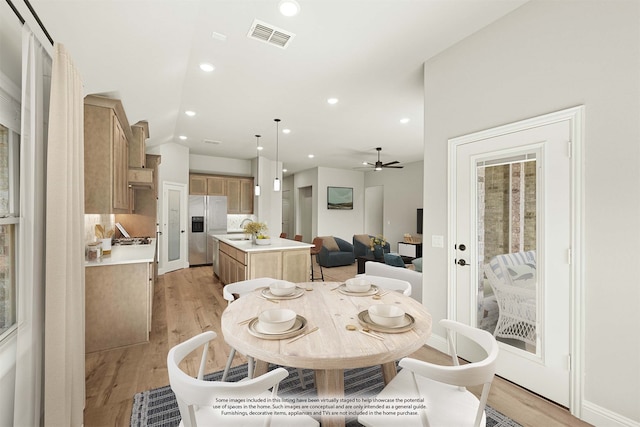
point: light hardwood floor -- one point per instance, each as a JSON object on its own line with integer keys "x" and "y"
{"x": 187, "y": 302}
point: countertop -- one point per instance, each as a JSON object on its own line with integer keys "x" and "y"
{"x": 277, "y": 244}
{"x": 128, "y": 254}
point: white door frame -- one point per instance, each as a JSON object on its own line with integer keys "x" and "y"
{"x": 184, "y": 247}
{"x": 576, "y": 116}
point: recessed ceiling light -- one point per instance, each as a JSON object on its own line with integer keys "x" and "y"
{"x": 311, "y": 156}
{"x": 365, "y": 163}
{"x": 260, "y": 147}
{"x": 284, "y": 170}
{"x": 207, "y": 67}
{"x": 286, "y": 130}
{"x": 289, "y": 7}
{"x": 404, "y": 120}
{"x": 182, "y": 137}
{"x": 190, "y": 113}
{"x": 332, "y": 101}
{"x": 219, "y": 36}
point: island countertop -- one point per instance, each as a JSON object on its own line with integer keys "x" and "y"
{"x": 239, "y": 241}
{"x": 126, "y": 254}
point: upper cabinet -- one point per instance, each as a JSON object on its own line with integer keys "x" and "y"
{"x": 106, "y": 156}
{"x": 239, "y": 190}
{"x": 140, "y": 176}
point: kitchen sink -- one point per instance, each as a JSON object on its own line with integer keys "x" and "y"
{"x": 238, "y": 238}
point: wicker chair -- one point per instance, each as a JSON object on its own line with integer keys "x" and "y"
{"x": 516, "y": 296}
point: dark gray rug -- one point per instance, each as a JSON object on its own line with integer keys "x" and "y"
{"x": 158, "y": 407}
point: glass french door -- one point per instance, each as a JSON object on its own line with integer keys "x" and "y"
{"x": 174, "y": 226}
{"x": 511, "y": 273}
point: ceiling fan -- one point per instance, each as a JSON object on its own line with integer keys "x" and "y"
{"x": 379, "y": 165}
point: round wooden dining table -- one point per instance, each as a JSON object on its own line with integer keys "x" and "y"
{"x": 335, "y": 345}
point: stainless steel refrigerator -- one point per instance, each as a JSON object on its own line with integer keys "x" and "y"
{"x": 208, "y": 216}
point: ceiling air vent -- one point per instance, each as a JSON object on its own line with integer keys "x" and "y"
{"x": 211, "y": 141}
{"x": 267, "y": 33}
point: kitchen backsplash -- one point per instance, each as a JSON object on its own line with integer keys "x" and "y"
{"x": 234, "y": 221}
{"x": 108, "y": 222}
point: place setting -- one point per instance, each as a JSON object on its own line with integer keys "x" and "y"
{"x": 282, "y": 290}
{"x": 388, "y": 318}
{"x": 278, "y": 324}
{"x": 358, "y": 287}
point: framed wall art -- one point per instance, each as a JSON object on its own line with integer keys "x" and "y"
{"x": 340, "y": 198}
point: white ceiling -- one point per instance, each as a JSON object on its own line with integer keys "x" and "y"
{"x": 368, "y": 54}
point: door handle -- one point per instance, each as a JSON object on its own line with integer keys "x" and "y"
{"x": 462, "y": 263}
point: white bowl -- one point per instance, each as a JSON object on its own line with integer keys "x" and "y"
{"x": 282, "y": 288}
{"x": 387, "y": 315}
{"x": 277, "y": 320}
{"x": 358, "y": 285}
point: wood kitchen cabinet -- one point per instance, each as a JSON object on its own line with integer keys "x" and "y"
{"x": 118, "y": 301}
{"x": 239, "y": 190}
{"x": 106, "y": 156}
{"x": 137, "y": 146}
{"x": 236, "y": 265}
{"x": 240, "y": 195}
{"x": 233, "y": 264}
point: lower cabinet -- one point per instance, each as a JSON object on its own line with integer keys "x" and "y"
{"x": 118, "y": 305}
{"x": 236, "y": 265}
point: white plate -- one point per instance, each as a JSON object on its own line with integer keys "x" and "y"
{"x": 298, "y": 327}
{"x": 372, "y": 291}
{"x": 407, "y": 325}
{"x": 297, "y": 293}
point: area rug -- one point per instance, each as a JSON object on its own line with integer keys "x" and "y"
{"x": 158, "y": 407}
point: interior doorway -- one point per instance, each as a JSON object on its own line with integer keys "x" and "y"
{"x": 305, "y": 213}
{"x": 373, "y": 210}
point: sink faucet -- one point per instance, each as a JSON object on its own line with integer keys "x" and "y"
{"x": 246, "y": 220}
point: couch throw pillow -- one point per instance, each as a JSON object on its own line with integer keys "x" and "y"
{"x": 330, "y": 243}
{"x": 417, "y": 264}
{"x": 522, "y": 274}
{"x": 393, "y": 260}
{"x": 365, "y": 239}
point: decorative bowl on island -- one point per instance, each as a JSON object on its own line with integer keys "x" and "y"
{"x": 358, "y": 285}
{"x": 282, "y": 288}
{"x": 277, "y": 320}
{"x": 387, "y": 315}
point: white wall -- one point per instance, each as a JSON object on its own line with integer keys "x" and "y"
{"x": 221, "y": 165}
{"x": 544, "y": 57}
{"x": 339, "y": 223}
{"x": 402, "y": 197}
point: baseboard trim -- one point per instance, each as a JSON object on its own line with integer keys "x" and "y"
{"x": 599, "y": 416}
{"x": 439, "y": 343}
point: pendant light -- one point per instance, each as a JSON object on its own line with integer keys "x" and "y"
{"x": 257, "y": 187}
{"x": 276, "y": 182}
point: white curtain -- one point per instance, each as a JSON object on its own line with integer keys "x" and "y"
{"x": 64, "y": 391}
{"x": 36, "y": 72}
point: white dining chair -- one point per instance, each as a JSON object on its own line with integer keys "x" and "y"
{"x": 196, "y": 397}
{"x": 388, "y": 283}
{"x": 241, "y": 288}
{"x": 447, "y": 401}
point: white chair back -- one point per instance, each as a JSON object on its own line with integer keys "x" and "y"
{"x": 196, "y": 397}
{"x": 388, "y": 283}
{"x": 244, "y": 287}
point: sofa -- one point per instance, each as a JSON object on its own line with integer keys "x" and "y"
{"x": 335, "y": 252}
{"x": 361, "y": 245}
{"x": 373, "y": 268}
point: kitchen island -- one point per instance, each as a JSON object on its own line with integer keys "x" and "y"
{"x": 241, "y": 259}
{"x": 119, "y": 297}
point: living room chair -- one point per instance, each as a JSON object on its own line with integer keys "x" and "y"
{"x": 196, "y": 397}
{"x": 229, "y": 293}
{"x": 315, "y": 250}
{"x": 388, "y": 283}
{"x": 335, "y": 252}
{"x": 447, "y": 401}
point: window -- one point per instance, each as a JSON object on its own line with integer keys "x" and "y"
{"x": 9, "y": 222}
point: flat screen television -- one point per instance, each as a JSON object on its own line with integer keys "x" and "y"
{"x": 419, "y": 221}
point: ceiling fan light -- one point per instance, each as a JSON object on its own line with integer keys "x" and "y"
{"x": 378, "y": 168}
